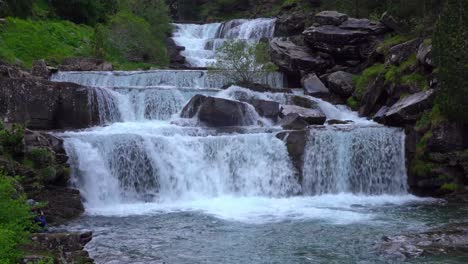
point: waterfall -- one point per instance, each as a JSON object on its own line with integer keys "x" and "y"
{"x": 201, "y": 41}
{"x": 361, "y": 160}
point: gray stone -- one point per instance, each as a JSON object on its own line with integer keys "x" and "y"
{"x": 313, "y": 85}
{"x": 293, "y": 122}
{"x": 341, "y": 82}
{"x": 401, "y": 52}
{"x": 85, "y": 64}
{"x": 424, "y": 55}
{"x": 330, "y": 18}
{"x": 311, "y": 116}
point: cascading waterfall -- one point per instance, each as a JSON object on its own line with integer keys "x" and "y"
{"x": 201, "y": 41}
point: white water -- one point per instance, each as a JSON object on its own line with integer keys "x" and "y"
{"x": 201, "y": 41}
{"x": 142, "y": 162}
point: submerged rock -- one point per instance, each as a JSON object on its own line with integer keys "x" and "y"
{"x": 217, "y": 112}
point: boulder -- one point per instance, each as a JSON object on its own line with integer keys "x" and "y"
{"x": 407, "y": 110}
{"x": 341, "y": 83}
{"x": 296, "y": 142}
{"x": 45, "y": 105}
{"x": 310, "y": 116}
{"x": 217, "y": 112}
{"x": 313, "y": 85}
{"x": 424, "y": 55}
{"x": 330, "y": 18}
{"x": 176, "y": 60}
{"x": 300, "y": 101}
{"x": 293, "y": 122}
{"x": 375, "y": 93}
{"x": 266, "y": 108}
{"x": 390, "y": 22}
{"x": 85, "y": 64}
{"x": 372, "y": 27}
{"x": 292, "y": 58}
{"x": 40, "y": 69}
{"x": 448, "y": 137}
{"x": 401, "y": 52}
{"x": 8, "y": 71}
{"x": 334, "y": 35}
{"x": 443, "y": 240}
{"x": 290, "y": 24}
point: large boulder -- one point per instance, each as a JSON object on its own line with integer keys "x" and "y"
{"x": 341, "y": 83}
{"x": 293, "y": 59}
{"x": 296, "y": 142}
{"x": 330, "y": 18}
{"x": 290, "y": 24}
{"x": 310, "y": 116}
{"x": 176, "y": 60}
{"x": 407, "y": 110}
{"x": 313, "y": 85}
{"x": 293, "y": 121}
{"x": 364, "y": 24}
{"x": 85, "y": 64}
{"x": 424, "y": 55}
{"x": 448, "y": 137}
{"x": 218, "y": 112}
{"x": 402, "y": 52}
{"x": 41, "y": 104}
{"x": 266, "y": 108}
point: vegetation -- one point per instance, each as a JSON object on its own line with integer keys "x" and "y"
{"x": 243, "y": 62}
{"x": 451, "y": 57}
{"x": 363, "y": 80}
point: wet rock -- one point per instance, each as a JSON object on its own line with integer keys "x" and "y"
{"x": 265, "y": 108}
{"x": 296, "y": 142}
{"x": 217, "y": 112}
{"x": 300, "y": 101}
{"x": 290, "y": 24}
{"x": 176, "y": 60}
{"x": 424, "y": 55}
{"x": 41, "y": 70}
{"x": 292, "y": 58}
{"x": 448, "y": 137}
{"x": 452, "y": 238}
{"x": 401, "y": 52}
{"x": 341, "y": 83}
{"x": 339, "y": 122}
{"x": 310, "y": 116}
{"x": 313, "y": 85}
{"x": 41, "y": 104}
{"x": 407, "y": 110}
{"x": 374, "y": 95}
{"x": 330, "y": 18}
{"x": 293, "y": 122}
{"x": 85, "y": 64}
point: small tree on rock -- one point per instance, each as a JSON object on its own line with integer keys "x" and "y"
{"x": 242, "y": 62}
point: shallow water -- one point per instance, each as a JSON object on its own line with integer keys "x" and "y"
{"x": 328, "y": 229}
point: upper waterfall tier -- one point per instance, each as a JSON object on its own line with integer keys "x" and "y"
{"x": 158, "y": 78}
{"x": 201, "y": 41}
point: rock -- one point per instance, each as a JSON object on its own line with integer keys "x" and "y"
{"x": 448, "y": 137}
{"x": 85, "y": 64}
{"x": 262, "y": 88}
{"x": 217, "y": 112}
{"x": 311, "y": 116}
{"x": 367, "y": 25}
{"x": 290, "y": 24}
{"x": 313, "y": 85}
{"x": 424, "y": 55}
{"x": 390, "y": 22}
{"x": 265, "y": 108}
{"x": 401, "y": 52}
{"x": 450, "y": 238}
{"x": 8, "y": 71}
{"x": 40, "y": 69}
{"x": 339, "y": 122}
{"x": 330, "y": 18}
{"x": 296, "y": 142}
{"x": 300, "y": 101}
{"x": 375, "y": 93}
{"x": 292, "y": 59}
{"x": 41, "y": 104}
{"x": 407, "y": 110}
{"x": 62, "y": 247}
{"x": 341, "y": 83}
{"x": 293, "y": 122}
{"x": 176, "y": 60}
{"x": 334, "y": 35}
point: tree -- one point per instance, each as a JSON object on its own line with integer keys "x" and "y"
{"x": 240, "y": 61}
{"x": 85, "y": 11}
{"x": 17, "y": 8}
{"x": 451, "y": 58}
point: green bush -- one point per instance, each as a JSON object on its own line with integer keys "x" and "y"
{"x": 18, "y": 8}
{"x": 15, "y": 220}
{"x": 243, "y": 62}
{"x": 11, "y": 140}
{"x": 128, "y": 39}
{"x": 40, "y": 157}
{"x": 28, "y": 41}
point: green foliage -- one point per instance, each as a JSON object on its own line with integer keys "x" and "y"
{"x": 450, "y": 187}
{"x": 128, "y": 39}
{"x": 451, "y": 57}
{"x": 366, "y": 77}
{"x": 353, "y": 103}
{"x": 415, "y": 79}
{"x": 223, "y": 9}
{"x": 11, "y": 140}
{"x": 391, "y": 41}
{"x": 155, "y": 12}
{"x": 28, "y": 41}
{"x": 420, "y": 168}
{"x": 40, "y": 157}
{"x": 15, "y": 220}
{"x": 429, "y": 119}
{"x": 18, "y": 8}
{"x": 243, "y": 62}
{"x": 84, "y": 11}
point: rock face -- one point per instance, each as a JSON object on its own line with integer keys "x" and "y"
{"x": 176, "y": 60}
{"x": 295, "y": 142}
{"x": 293, "y": 121}
{"x": 265, "y": 108}
{"x": 290, "y": 24}
{"x": 452, "y": 238}
{"x": 424, "y": 55}
{"x": 448, "y": 137}
{"x": 313, "y": 85}
{"x": 41, "y": 104}
{"x": 330, "y": 18}
{"x": 217, "y": 112}
{"x": 310, "y": 116}
{"x": 341, "y": 83}
{"x": 41, "y": 70}
{"x": 85, "y": 64}
{"x": 292, "y": 58}
{"x": 406, "y": 110}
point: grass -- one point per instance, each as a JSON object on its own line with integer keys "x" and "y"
{"x": 363, "y": 80}
{"x": 391, "y": 41}
{"x": 26, "y": 41}
{"x": 430, "y": 119}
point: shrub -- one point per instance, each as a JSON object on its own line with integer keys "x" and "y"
{"x": 242, "y": 62}
{"x": 156, "y": 13}
{"x": 15, "y": 220}
{"x": 11, "y": 140}
{"x": 40, "y": 157}
{"x": 129, "y": 38}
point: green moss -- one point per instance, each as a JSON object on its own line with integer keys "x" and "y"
{"x": 450, "y": 187}
{"x": 48, "y": 174}
{"x": 415, "y": 79}
{"x": 28, "y": 41}
{"x": 391, "y": 41}
{"x": 421, "y": 147}
{"x": 420, "y": 168}
{"x": 429, "y": 119}
{"x": 363, "y": 80}
{"x": 353, "y": 103}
